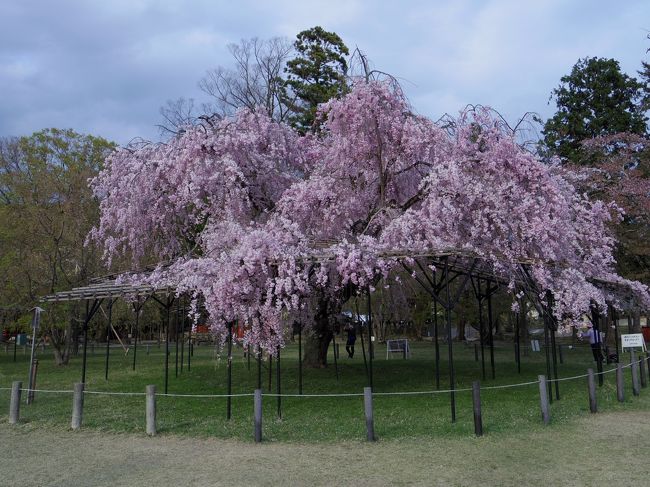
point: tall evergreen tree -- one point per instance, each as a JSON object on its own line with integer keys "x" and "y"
{"x": 316, "y": 74}
{"x": 595, "y": 99}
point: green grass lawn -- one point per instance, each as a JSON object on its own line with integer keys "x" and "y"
{"x": 310, "y": 419}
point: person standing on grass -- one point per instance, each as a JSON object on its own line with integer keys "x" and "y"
{"x": 352, "y": 337}
{"x": 595, "y": 342}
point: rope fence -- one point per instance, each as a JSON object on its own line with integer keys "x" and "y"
{"x": 544, "y": 383}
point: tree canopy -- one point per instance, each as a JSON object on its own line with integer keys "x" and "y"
{"x": 265, "y": 225}
{"x": 595, "y": 99}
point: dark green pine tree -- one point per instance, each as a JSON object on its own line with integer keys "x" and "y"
{"x": 315, "y": 75}
{"x": 595, "y": 99}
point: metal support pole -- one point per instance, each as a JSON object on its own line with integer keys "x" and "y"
{"x": 176, "y": 326}
{"x": 437, "y": 344}
{"x": 168, "y": 309}
{"x": 481, "y": 327}
{"x": 547, "y": 351}
{"x": 634, "y": 365}
{"x": 259, "y": 368}
{"x": 476, "y": 400}
{"x": 278, "y": 386}
{"x": 85, "y": 329}
{"x": 109, "y": 323}
{"x": 300, "y": 358}
{"x": 336, "y": 363}
{"x": 183, "y": 323}
{"x": 450, "y": 347}
{"x": 151, "y": 410}
{"x": 367, "y": 407}
{"x": 491, "y": 332}
{"x": 591, "y": 385}
{"x": 370, "y": 345}
{"x": 229, "y": 379}
{"x": 555, "y": 374}
{"x": 543, "y": 399}
{"x": 135, "y": 334}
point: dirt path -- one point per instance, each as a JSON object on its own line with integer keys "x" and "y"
{"x": 607, "y": 449}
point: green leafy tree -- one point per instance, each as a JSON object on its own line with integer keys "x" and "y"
{"x": 316, "y": 74}
{"x": 595, "y": 99}
{"x": 46, "y": 211}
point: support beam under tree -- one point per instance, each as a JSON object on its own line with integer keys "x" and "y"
{"x": 109, "y": 324}
{"x": 299, "y": 358}
{"x": 229, "y": 374}
{"x": 90, "y": 312}
{"x": 489, "y": 292}
{"x": 370, "y": 346}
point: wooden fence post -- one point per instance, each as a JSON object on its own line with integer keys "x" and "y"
{"x": 543, "y": 398}
{"x": 591, "y": 384}
{"x": 77, "y": 405}
{"x": 151, "y": 410}
{"x": 476, "y": 400}
{"x": 367, "y": 406}
{"x": 644, "y": 376}
{"x": 14, "y": 405}
{"x": 257, "y": 411}
{"x": 620, "y": 393}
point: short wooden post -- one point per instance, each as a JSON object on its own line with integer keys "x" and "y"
{"x": 543, "y": 399}
{"x": 634, "y": 365}
{"x": 476, "y": 400}
{"x": 77, "y": 405}
{"x": 620, "y": 393}
{"x": 367, "y": 406}
{"x": 647, "y": 361}
{"x": 257, "y": 406}
{"x": 643, "y": 373}
{"x": 151, "y": 410}
{"x": 591, "y": 384}
{"x": 14, "y": 405}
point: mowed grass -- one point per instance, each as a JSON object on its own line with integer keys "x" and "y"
{"x": 310, "y": 419}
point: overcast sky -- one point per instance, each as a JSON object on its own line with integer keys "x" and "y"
{"x": 105, "y": 67}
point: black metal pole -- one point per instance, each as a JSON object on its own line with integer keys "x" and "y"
{"x": 168, "y": 309}
{"x": 555, "y": 374}
{"x": 229, "y": 391}
{"x": 363, "y": 351}
{"x": 85, "y": 329}
{"x": 299, "y": 358}
{"x": 450, "y": 346}
{"x": 336, "y": 363}
{"x": 521, "y": 318}
{"x": 176, "y": 326}
{"x": 259, "y": 367}
{"x": 183, "y": 323}
{"x": 278, "y": 387}
{"x": 190, "y": 349}
{"x": 135, "y": 334}
{"x": 547, "y": 351}
{"x": 370, "y": 350}
{"x": 270, "y": 370}
{"x": 435, "y": 338}
{"x": 596, "y": 329}
{"x": 481, "y": 327}
{"x": 108, "y": 335}
{"x": 490, "y": 324}
{"x": 615, "y": 320}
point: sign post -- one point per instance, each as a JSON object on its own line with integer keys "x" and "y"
{"x": 633, "y": 340}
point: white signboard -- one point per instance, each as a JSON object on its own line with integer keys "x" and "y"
{"x": 633, "y": 340}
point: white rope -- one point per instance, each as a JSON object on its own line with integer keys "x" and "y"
{"x": 350, "y": 394}
{"x": 245, "y": 394}
{"x": 506, "y": 386}
{"x": 47, "y": 391}
{"x": 106, "y": 393}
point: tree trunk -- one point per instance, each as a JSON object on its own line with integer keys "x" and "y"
{"x": 636, "y": 321}
{"x": 318, "y": 339}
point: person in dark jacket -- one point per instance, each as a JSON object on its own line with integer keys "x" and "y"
{"x": 352, "y": 337}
